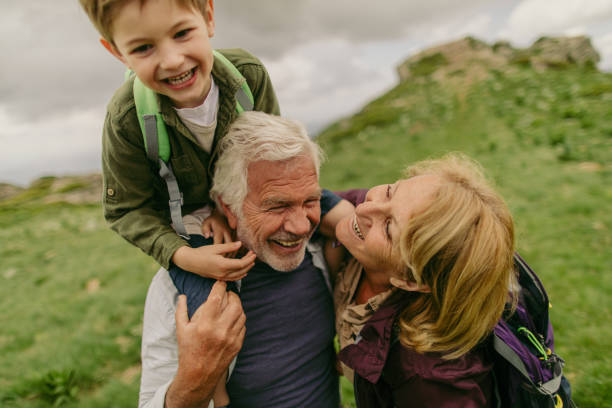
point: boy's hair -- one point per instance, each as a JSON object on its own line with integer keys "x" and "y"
{"x": 462, "y": 247}
{"x": 252, "y": 137}
{"x": 102, "y": 12}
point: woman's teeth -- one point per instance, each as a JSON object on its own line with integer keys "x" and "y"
{"x": 356, "y": 228}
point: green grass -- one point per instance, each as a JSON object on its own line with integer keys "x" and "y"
{"x": 72, "y": 292}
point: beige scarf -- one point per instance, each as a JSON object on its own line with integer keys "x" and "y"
{"x": 350, "y": 317}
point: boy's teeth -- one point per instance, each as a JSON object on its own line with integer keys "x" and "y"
{"x": 181, "y": 78}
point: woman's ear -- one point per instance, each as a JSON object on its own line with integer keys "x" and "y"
{"x": 409, "y": 286}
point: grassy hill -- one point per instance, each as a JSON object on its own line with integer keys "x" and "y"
{"x": 72, "y": 291}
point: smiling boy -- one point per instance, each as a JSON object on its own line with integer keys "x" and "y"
{"x": 166, "y": 43}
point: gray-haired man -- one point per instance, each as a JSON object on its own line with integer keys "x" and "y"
{"x": 266, "y": 183}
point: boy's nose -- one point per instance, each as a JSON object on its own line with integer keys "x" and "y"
{"x": 171, "y": 59}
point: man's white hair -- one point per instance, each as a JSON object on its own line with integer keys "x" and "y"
{"x": 256, "y": 136}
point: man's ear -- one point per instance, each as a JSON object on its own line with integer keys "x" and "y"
{"x": 409, "y": 286}
{"x": 113, "y": 50}
{"x": 232, "y": 220}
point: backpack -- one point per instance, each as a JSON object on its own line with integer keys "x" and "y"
{"x": 527, "y": 371}
{"x": 155, "y": 134}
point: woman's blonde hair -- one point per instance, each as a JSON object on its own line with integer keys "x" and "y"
{"x": 462, "y": 247}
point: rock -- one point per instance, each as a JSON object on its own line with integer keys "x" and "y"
{"x": 470, "y": 59}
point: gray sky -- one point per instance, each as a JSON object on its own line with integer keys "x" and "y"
{"x": 326, "y": 58}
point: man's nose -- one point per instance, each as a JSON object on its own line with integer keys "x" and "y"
{"x": 298, "y": 223}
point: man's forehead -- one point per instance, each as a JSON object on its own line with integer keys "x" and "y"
{"x": 276, "y": 179}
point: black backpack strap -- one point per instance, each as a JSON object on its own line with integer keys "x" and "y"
{"x": 550, "y": 387}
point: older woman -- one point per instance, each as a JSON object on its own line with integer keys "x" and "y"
{"x": 430, "y": 273}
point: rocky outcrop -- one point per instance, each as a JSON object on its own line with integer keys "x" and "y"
{"x": 550, "y": 52}
{"x": 472, "y": 59}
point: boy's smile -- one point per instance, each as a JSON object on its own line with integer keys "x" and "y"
{"x": 167, "y": 46}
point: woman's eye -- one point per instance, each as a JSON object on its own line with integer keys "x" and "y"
{"x": 387, "y": 231}
{"x": 388, "y": 190}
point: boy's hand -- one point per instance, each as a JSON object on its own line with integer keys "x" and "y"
{"x": 209, "y": 261}
{"x": 328, "y": 223}
{"x": 216, "y": 226}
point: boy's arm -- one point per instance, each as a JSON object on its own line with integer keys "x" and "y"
{"x": 333, "y": 209}
{"x": 128, "y": 196}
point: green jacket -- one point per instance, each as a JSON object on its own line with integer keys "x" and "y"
{"x": 135, "y": 197}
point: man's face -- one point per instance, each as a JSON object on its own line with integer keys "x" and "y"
{"x": 280, "y": 211}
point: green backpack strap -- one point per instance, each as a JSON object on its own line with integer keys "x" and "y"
{"x": 152, "y": 124}
{"x": 244, "y": 97}
{"x": 157, "y": 146}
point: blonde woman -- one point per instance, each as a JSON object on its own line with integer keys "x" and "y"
{"x": 430, "y": 273}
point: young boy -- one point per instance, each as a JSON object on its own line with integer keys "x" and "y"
{"x": 166, "y": 43}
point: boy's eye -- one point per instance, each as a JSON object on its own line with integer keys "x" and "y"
{"x": 388, "y": 190}
{"x": 142, "y": 49}
{"x": 182, "y": 33}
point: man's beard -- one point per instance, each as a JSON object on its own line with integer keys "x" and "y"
{"x": 266, "y": 254}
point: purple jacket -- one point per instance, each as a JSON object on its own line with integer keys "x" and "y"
{"x": 391, "y": 375}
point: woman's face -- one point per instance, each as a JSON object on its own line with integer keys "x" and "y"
{"x": 372, "y": 233}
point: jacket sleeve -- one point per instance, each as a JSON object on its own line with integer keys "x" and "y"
{"x": 129, "y": 194}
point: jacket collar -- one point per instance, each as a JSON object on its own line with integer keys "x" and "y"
{"x": 369, "y": 353}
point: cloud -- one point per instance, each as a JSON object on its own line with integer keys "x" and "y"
{"x": 271, "y": 27}
{"x": 51, "y": 60}
{"x": 62, "y": 144}
{"x": 322, "y": 80}
{"x": 533, "y": 18}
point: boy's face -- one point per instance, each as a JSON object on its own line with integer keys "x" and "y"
{"x": 167, "y": 46}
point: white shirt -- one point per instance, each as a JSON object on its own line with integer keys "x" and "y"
{"x": 202, "y": 120}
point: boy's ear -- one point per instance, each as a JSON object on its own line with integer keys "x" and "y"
{"x": 232, "y": 220}
{"x": 111, "y": 48}
{"x": 409, "y": 286}
{"x": 210, "y": 19}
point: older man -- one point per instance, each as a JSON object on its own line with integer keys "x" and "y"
{"x": 266, "y": 183}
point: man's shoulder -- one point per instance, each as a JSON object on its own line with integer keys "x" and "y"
{"x": 162, "y": 294}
